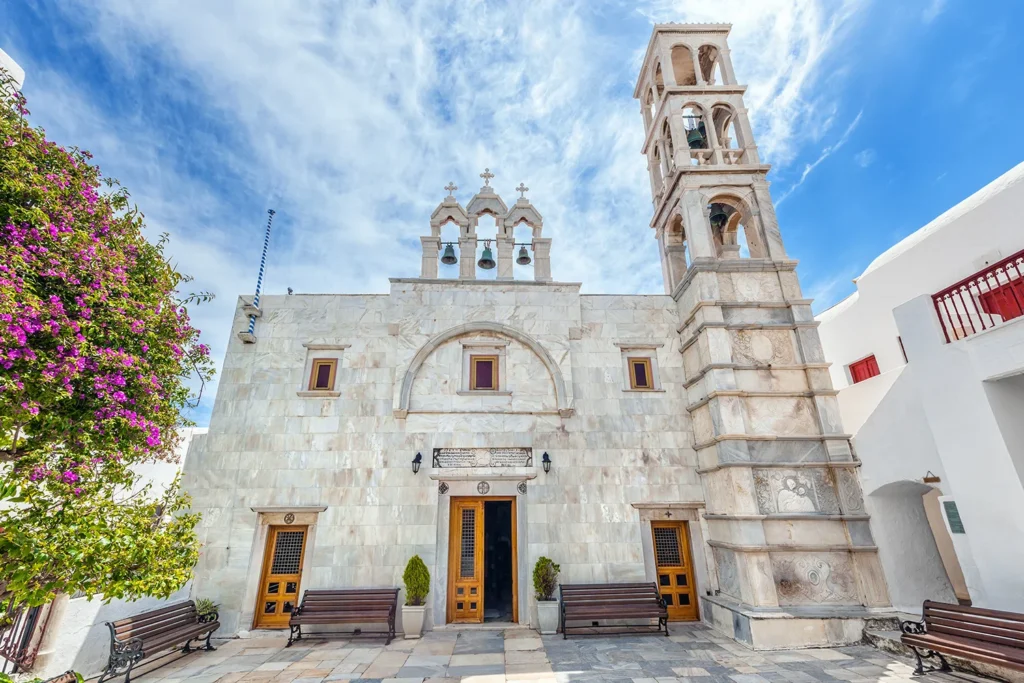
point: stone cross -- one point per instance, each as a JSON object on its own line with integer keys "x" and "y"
{"x": 522, "y": 190}
{"x": 451, "y": 187}
{"x": 487, "y": 175}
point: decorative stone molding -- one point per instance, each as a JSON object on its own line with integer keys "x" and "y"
{"x": 561, "y": 397}
{"x": 686, "y": 512}
{"x": 316, "y": 346}
{"x": 318, "y": 394}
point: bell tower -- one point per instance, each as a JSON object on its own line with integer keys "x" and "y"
{"x": 795, "y": 563}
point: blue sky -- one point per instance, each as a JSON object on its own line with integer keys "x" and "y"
{"x": 349, "y": 117}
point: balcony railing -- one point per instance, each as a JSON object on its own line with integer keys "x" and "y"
{"x": 983, "y": 300}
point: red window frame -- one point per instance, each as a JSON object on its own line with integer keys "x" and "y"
{"x": 866, "y": 368}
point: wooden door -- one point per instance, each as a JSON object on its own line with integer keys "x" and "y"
{"x": 674, "y": 569}
{"x": 279, "y": 581}
{"x": 466, "y": 562}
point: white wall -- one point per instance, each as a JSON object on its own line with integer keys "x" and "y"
{"x": 976, "y": 454}
{"x": 895, "y": 446}
{"x": 77, "y": 636}
{"x": 12, "y": 68}
{"x": 955, "y": 245}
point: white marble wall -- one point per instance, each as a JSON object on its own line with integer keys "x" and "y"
{"x": 273, "y": 445}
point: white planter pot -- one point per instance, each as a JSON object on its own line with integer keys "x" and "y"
{"x": 412, "y": 620}
{"x": 547, "y": 616}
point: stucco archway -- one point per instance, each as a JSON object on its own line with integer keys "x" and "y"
{"x": 561, "y": 397}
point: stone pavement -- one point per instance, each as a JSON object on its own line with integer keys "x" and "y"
{"x": 692, "y": 654}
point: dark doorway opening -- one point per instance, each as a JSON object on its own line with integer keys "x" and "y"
{"x": 498, "y": 560}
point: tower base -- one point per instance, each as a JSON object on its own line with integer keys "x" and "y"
{"x": 790, "y": 628}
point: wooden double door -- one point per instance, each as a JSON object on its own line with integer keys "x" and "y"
{"x": 279, "y": 580}
{"x": 470, "y": 540}
{"x": 674, "y": 569}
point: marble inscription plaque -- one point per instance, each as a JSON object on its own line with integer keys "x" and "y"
{"x": 483, "y": 457}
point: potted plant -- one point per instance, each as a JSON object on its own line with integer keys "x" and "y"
{"x": 417, "y": 585}
{"x": 206, "y": 610}
{"x": 545, "y": 580}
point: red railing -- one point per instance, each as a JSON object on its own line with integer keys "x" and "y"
{"x": 983, "y": 300}
{"x": 21, "y": 634}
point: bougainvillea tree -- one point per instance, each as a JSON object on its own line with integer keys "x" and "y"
{"x": 96, "y": 360}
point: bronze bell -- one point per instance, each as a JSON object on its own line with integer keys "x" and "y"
{"x": 524, "y": 258}
{"x": 487, "y": 259}
{"x": 718, "y": 217}
{"x": 697, "y": 137}
{"x": 449, "y": 258}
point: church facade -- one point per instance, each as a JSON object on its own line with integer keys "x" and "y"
{"x": 690, "y": 439}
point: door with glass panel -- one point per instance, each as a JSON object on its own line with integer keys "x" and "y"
{"x": 279, "y": 581}
{"x": 466, "y": 562}
{"x": 674, "y": 569}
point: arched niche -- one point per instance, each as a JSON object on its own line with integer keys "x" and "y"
{"x": 557, "y": 380}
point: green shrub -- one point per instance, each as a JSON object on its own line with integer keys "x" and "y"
{"x": 417, "y": 581}
{"x": 545, "y": 578}
{"x": 205, "y": 606}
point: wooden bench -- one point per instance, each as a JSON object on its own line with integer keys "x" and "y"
{"x": 598, "y": 602}
{"x": 347, "y": 606}
{"x": 981, "y": 635}
{"x": 168, "y": 629}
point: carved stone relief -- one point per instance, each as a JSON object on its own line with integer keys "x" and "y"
{"x": 805, "y": 579}
{"x": 757, "y": 287}
{"x": 728, "y": 574}
{"x": 763, "y": 347}
{"x": 850, "y": 491}
{"x": 792, "y": 491}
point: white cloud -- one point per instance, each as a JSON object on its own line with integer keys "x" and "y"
{"x": 825, "y": 154}
{"x": 348, "y": 118}
{"x": 933, "y": 10}
{"x": 865, "y": 157}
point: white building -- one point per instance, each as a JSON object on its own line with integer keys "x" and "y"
{"x": 693, "y": 438}
{"x": 928, "y": 355}
{"x": 72, "y": 630}
{"x": 12, "y": 68}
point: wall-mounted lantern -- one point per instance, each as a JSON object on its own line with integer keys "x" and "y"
{"x": 546, "y": 462}
{"x": 416, "y": 462}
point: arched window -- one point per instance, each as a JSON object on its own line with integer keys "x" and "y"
{"x": 659, "y": 82}
{"x": 707, "y": 55}
{"x": 649, "y": 101}
{"x": 682, "y": 65}
{"x": 734, "y": 229}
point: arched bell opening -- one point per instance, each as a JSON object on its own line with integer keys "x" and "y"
{"x": 449, "y": 256}
{"x": 734, "y": 229}
{"x": 696, "y": 130}
{"x": 659, "y": 82}
{"x": 710, "y": 68}
{"x": 677, "y": 253}
{"x": 487, "y": 247}
{"x": 656, "y": 175}
{"x": 522, "y": 235}
{"x": 670, "y": 148}
{"x": 725, "y": 127}
{"x": 649, "y": 107}
{"x": 682, "y": 65}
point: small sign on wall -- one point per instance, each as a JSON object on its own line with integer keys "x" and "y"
{"x": 956, "y": 525}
